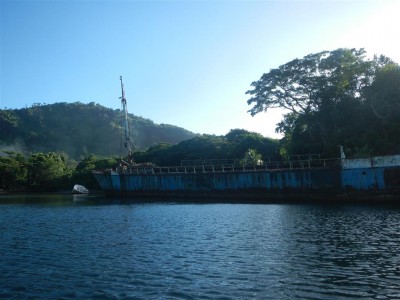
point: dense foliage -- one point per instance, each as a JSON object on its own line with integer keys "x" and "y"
{"x": 48, "y": 171}
{"x": 39, "y": 171}
{"x": 78, "y": 129}
{"x": 55, "y": 171}
{"x": 233, "y": 145}
{"x": 334, "y": 98}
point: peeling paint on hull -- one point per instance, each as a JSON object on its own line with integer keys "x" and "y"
{"x": 352, "y": 182}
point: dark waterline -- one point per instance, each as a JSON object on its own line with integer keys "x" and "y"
{"x": 91, "y": 247}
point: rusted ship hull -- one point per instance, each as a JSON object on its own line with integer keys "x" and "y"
{"x": 363, "y": 179}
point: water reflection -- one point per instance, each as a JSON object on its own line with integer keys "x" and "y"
{"x": 91, "y": 247}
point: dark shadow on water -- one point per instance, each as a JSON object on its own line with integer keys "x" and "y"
{"x": 96, "y": 199}
{"x": 50, "y": 199}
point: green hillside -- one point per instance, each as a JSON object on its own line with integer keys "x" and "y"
{"x": 78, "y": 129}
{"x": 54, "y": 171}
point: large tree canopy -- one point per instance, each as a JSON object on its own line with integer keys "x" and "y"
{"x": 330, "y": 98}
{"x": 383, "y": 95}
{"x": 304, "y": 85}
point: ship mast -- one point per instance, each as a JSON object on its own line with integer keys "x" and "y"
{"x": 125, "y": 120}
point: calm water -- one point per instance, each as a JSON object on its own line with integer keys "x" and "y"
{"x": 61, "y": 247}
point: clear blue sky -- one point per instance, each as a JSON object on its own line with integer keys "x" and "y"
{"x": 185, "y": 63}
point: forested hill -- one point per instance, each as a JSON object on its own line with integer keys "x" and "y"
{"x": 78, "y": 129}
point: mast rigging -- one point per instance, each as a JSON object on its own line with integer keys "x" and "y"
{"x": 125, "y": 119}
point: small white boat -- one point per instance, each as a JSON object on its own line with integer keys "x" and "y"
{"x": 79, "y": 189}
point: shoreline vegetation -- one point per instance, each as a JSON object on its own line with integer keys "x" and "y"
{"x": 51, "y": 172}
{"x": 331, "y": 98}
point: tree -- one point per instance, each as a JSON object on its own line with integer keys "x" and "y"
{"x": 83, "y": 171}
{"x": 251, "y": 157}
{"x": 230, "y": 146}
{"x": 46, "y": 170}
{"x": 240, "y": 140}
{"x": 383, "y": 107}
{"x": 305, "y": 85}
{"x": 323, "y": 93}
{"x": 383, "y": 95}
{"x": 13, "y": 171}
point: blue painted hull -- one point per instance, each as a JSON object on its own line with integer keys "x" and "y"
{"x": 354, "y": 183}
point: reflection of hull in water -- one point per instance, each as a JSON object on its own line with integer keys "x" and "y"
{"x": 79, "y": 189}
{"x": 376, "y": 178}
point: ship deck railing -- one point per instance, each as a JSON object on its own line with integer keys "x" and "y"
{"x": 232, "y": 167}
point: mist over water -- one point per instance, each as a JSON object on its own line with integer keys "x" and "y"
{"x": 96, "y": 248}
